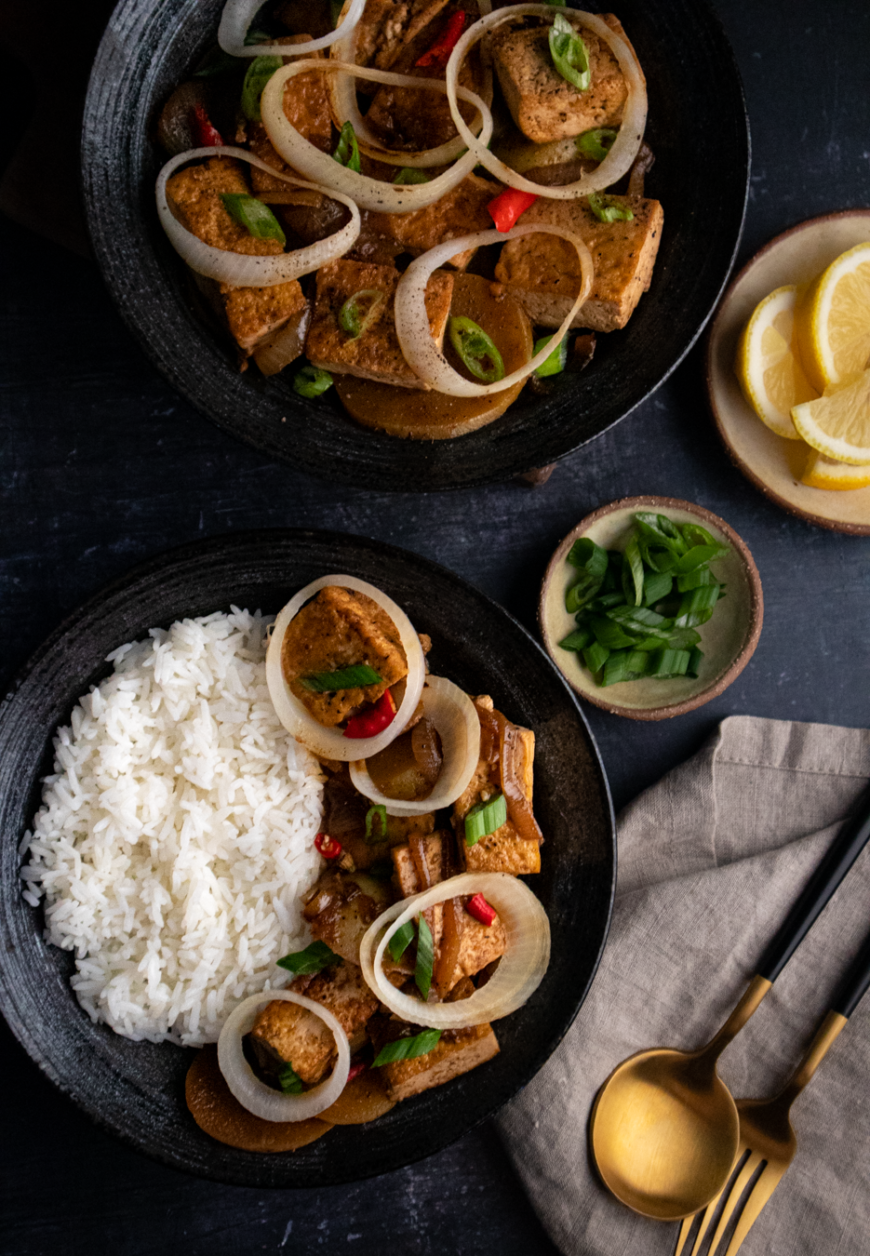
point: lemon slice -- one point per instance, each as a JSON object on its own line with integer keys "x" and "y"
{"x": 768, "y": 367}
{"x": 838, "y": 423}
{"x": 822, "y": 472}
{"x": 833, "y": 320}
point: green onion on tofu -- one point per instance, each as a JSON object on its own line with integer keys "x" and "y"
{"x": 407, "y": 1048}
{"x": 359, "y": 311}
{"x": 257, "y": 218}
{"x": 312, "y": 960}
{"x": 347, "y": 149}
{"x": 485, "y": 818}
{"x": 290, "y": 1081}
{"x": 425, "y": 958}
{"x": 569, "y": 54}
{"x": 257, "y": 76}
{"x": 606, "y": 209}
{"x": 346, "y": 678}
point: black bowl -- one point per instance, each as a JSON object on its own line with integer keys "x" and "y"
{"x": 698, "y": 130}
{"x": 136, "y": 1090}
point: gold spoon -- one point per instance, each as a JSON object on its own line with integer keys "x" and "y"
{"x": 664, "y": 1129}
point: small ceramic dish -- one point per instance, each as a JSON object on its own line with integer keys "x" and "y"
{"x": 771, "y": 462}
{"x": 728, "y": 640}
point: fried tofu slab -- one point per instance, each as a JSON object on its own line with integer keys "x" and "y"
{"x": 457, "y": 1052}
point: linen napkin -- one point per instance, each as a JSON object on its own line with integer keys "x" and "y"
{"x": 710, "y": 860}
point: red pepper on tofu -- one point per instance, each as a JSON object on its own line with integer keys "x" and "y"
{"x": 355, "y": 1070}
{"x": 205, "y": 135}
{"x": 373, "y": 719}
{"x": 439, "y": 54}
{"x": 328, "y": 847}
{"x": 480, "y": 909}
{"x": 508, "y": 205}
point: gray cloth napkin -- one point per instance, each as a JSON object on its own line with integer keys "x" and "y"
{"x": 710, "y": 859}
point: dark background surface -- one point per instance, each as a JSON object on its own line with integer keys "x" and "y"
{"x": 103, "y": 466}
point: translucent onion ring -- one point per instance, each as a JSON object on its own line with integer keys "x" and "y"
{"x": 240, "y": 270}
{"x": 256, "y": 1096}
{"x": 456, "y": 721}
{"x": 342, "y": 97}
{"x": 520, "y": 970}
{"x": 331, "y": 743}
{"x": 412, "y": 322}
{"x": 238, "y": 15}
{"x": 368, "y": 193}
{"x": 625, "y": 146}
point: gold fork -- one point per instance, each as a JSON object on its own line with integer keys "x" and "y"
{"x": 766, "y": 1136}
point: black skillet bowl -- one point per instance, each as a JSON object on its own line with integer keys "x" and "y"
{"x": 136, "y": 1090}
{"x": 698, "y": 130}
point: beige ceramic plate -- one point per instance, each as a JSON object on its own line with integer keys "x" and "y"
{"x": 727, "y": 640}
{"x": 772, "y": 463}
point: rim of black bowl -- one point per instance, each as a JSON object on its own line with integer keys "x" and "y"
{"x": 138, "y": 1097}
{"x": 698, "y": 129}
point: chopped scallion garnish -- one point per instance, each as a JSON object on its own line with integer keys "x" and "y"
{"x": 376, "y": 824}
{"x": 607, "y": 208}
{"x": 555, "y": 363}
{"x": 407, "y": 1048}
{"x": 257, "y": 218}
{"x": 347, "y": 149}
{"x": 410, "y": 174}
{"x": 258, "y": 74}
{"x": 476, "y": 349}
{"x": 346, "y": 678}
{"x": 290, "y": 1081}
{"x": 596, "y": 144}
{"x": 569, "y": 53}
{"x": 485, "y": 818}
{"x": 401, "y": 940}
{"x": 360, "y": 311}
{"x": 313, "y": 959}
{"x": 310, "y": 381}
{"x": 425, "y": 958}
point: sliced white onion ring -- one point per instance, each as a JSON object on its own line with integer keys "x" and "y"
{"x": 368, "y": 193}
{"x": 520, "y": 970}
{"x": 240, "y": 270}
{"x": 255, "y": 1095}
{"x": 412, "y": 322}
{"x": 628, "y": 140}
{"x": 457, "y": 723}
{"x": 238, "y": 15}
{"x": 331, "y": 743}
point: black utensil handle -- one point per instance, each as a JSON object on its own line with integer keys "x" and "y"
{"x": 855, "y": 984}
{"x": 842, "y": 853}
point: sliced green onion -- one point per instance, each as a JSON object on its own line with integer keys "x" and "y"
{"x": 605, "y": 601}
{"x": 313, "y": 959}
{"x": 641, "y": 621}
{"x": 254, "y": 216}
{"x": 401, "y": 940}
{"x": 346, "y": 678}
{"x": 425, "y": 958}
{"x": 359, "y": 311}
{"x": 667, "y": 664}
{"x": 311, "y": 381}
{"x": 624, "y": 665}
{"x": 656, "y": 586}
{"x": 377, "y": 812}
{"x": 258, "y": 74}
{"x": 683, "y": 638}
{"x": 410, "y": 174}
{"x": 577, "y": 640}
{"x": 290, "y": 1081}
{"x": 407, "y": 1048}
{"x": 555, "y": 363}
{"x": 569, "y": 53}
{"x": 347, "y": 149}
{"x": 693, "y": 579}
{"x": 596, "y": 656}
{"x": 697, "y": 605}
{"x": 695, "y": 659}
{"x": 694, "y": 534}
{"x": 613, "y": 575}
{"x": 607, "y": 209}
{"x": 609, "y": 634}
{"x": 477, "y": 351}
{"x": 698, "y": 555}
{"x": 632, "y": 571}
{"x": 588, "y": 556}
{"x": 596, "y": 144}
{"x": 485, "y": 818}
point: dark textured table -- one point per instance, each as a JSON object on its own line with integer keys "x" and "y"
{"x": 102, "y": 466}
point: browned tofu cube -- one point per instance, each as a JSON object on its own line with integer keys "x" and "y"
{"x": 253, "y": 314}
{"x": 543, "y": 272}
{"x": 340, "y": 909}
{"x": 195, "y": 196}
{"x": 306, "y": 107}
{"x": 430, "y": 847}
{"x": 461, "y": 211}
{"x": 337, "y": 629}
{"x": 375, "y": 354}
{"x": 457, "y": 1052}
{"x": 296, "y": 1036}
{"x": 546, "y": 106}
{"x": 504, "y": 850}
{"x": 479, "y": 945}
{"x": 387, "y": 26}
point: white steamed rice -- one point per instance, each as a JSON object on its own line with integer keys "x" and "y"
{"x": 175, "y": 836}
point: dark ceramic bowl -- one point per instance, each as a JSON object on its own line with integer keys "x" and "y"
{"x": 136, "y": 1090}
{"x": 697, "y": 129}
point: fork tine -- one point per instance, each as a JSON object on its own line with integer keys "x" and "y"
{"x": 683, "y": 1237}
{"x": 753, "y": 1160}
{"x": 706, "y": 1220}
{"x": 761, "y": 1193}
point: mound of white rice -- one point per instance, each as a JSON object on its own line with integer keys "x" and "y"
{"x": 175, "y": 837}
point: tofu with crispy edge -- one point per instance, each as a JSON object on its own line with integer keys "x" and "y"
{"x": 504, "y": 850}
{"x": 337, "y": 629}
{"x": 457, "y": 1052}
{"x": 292, "y": 1034}
{"x": 375, "y": 354}
{"x": 306, "y": 107}
{"x": 546, "y": 106}
{"x": 254, "y": 314}
{"x": 388, "y": 26}
{"x": 461, "y": 211}
{"x": 543, "y": 272}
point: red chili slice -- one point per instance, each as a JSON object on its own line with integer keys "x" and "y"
{"x": 507, "y": 207}
{"x": 206, "y": 135}
{"x": 480, "y": 909}
{"x": 439, "y": 53}
{"x": 373, "y": 719}
{"x": 328, "y": 847}
{"x": 355, "y": 1070}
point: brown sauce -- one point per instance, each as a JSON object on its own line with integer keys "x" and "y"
{"x": 364, "y": 1099}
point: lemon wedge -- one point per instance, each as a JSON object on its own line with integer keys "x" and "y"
{"x": 837, "y": 424}
{"x": 832, "y": 320}
{"x": 768, "y": 366}
{"x": 822, "y": 472}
